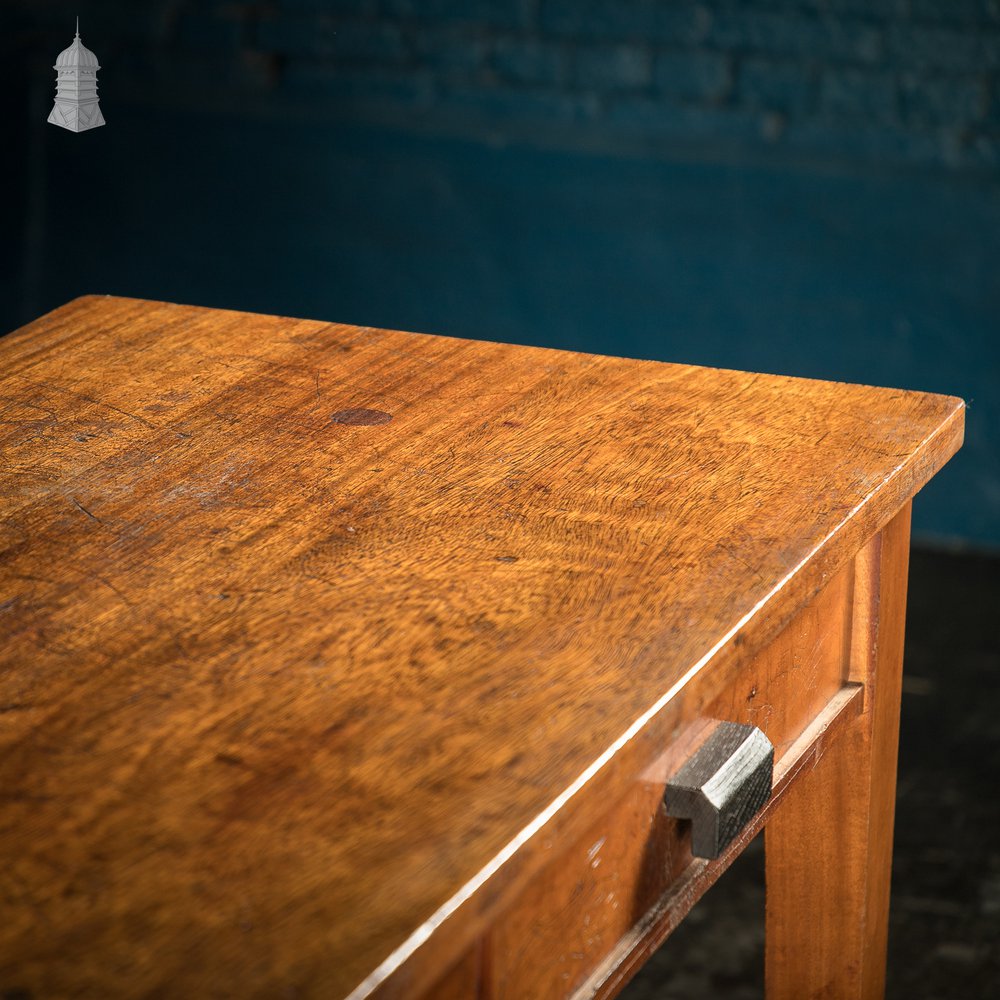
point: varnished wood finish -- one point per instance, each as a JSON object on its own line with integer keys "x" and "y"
{"x": 829, "y": 848}
{"x": 317, "y": 641}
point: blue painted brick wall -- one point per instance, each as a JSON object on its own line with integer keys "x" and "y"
{"x": 785, "y": 78}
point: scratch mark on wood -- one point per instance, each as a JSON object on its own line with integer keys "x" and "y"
{"x": 84, "y": 510}
{"x": 88, "y": 399}
{"x": 232, "y": 760}
{"x": 358, "y": 416}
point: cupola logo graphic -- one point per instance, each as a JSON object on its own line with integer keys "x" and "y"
{"x": 76, "y": 106}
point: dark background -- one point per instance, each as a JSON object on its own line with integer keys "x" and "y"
{"x": 808, "y": 187}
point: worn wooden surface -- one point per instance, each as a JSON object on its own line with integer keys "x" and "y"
{"x": 828, "y": 883}
{"x": 295, "y": 696}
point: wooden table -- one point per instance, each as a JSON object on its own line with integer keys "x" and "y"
{"x": 341, "y": 661}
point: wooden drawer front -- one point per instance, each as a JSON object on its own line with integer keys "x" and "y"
{"x": 590, "y": 898}
{"x": 462, "y": 980}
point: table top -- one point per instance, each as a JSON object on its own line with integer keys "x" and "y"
{"x": 310, "y": 633}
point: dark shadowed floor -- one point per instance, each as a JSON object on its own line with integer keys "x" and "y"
{"x": 944, "y": 937}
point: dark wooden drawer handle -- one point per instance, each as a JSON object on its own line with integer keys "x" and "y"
{"x": 722, "y": 786}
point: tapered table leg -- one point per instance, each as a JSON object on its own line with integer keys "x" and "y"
{"x": 829, "y": 845}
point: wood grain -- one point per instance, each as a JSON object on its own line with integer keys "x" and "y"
{"x": 294, "y": 701}
{"x": 829, "y": 848}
